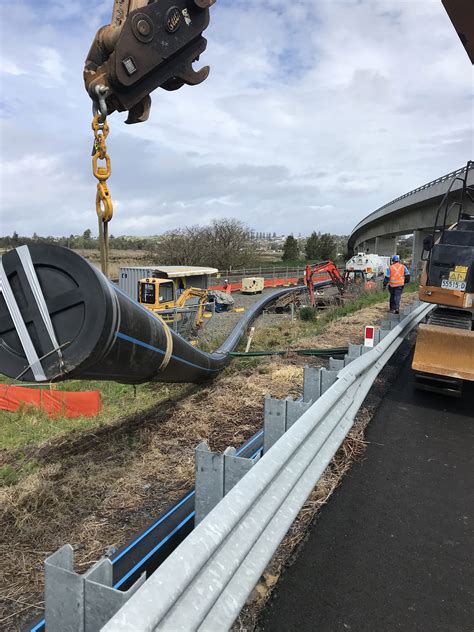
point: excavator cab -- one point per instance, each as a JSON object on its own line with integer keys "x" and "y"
{"x": 182, "y": 308}
{"x": 157, "y": 294}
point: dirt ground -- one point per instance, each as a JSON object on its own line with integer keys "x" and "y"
{"x": 221, "y": 324}
{"x": 94, "y": 493}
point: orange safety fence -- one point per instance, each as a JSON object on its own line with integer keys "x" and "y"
{"x": 271, "y": 282}
{"x": 54, "y": 403}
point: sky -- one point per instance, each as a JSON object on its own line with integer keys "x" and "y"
{"x": 316, "y": 112}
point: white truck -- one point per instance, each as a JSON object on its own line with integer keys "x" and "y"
{"x": 373, "y": 265}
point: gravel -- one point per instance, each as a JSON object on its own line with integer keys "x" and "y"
{"x": 217, "y": 328}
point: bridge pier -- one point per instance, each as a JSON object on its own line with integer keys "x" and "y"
{"x": 385, "y": 246}
{"x": 366, "y": 246}
{"x": 417, "y": 251}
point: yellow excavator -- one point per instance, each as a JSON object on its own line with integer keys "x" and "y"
{"x": 444, "y": 352}
{"x": 173, "y": 305}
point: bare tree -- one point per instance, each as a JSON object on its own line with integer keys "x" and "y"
{"x": 225, "y": 244}
{"x": 229, "y": 243}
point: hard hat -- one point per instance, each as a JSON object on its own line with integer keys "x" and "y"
{"x": 395, "y": 258}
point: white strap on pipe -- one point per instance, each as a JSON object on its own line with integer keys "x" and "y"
{"x": 29, "y": 268}
{"x": 20, "y": 327}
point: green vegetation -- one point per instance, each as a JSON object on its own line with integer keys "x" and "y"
{"x": 290, "y": 249}
{"x": 308, "y": 313}
{"x": 31, "y": 426}
{"x": 289, "y": 333}
{"x": 76, "y": 242}
{"x": 321, "y": 247}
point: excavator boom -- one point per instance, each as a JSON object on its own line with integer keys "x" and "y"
{"x": 461, "y": 14}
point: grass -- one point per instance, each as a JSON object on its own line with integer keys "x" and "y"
{"x": 30, "y": 426}
{"x": 286, "y": 334}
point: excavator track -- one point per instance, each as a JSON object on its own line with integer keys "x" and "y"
{"x": 444, "y": 317}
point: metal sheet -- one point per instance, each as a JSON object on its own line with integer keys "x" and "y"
{"x": 445, "y": 351}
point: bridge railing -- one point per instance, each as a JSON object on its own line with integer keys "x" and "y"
{"x": 448, "y": 176}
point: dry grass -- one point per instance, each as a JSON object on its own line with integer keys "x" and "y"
{"x": 118, "y": 259}
{"x": 102, "y": 491}
{"x": 100, "y": 497}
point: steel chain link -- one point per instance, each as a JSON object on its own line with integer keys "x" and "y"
{"x": 102, "y": 169}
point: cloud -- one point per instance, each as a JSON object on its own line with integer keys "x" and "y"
{"x": 50, "y": 62}
{"x": 316, "y": 112}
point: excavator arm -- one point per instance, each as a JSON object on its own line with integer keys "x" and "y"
{"x": 194, "y": 292}
{"x": 147, "y": 45}
{"x": 331, "y": 270}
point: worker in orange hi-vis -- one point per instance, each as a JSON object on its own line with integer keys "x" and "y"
{"x": 396, "y": 276}
{"x": 227, "y": 287}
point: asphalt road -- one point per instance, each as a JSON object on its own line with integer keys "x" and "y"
{"x": 393, "y": 549}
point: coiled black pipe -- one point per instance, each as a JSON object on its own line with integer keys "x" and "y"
{"x": 100, "y": 333}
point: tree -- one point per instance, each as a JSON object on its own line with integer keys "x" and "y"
{"x": 225, "y": 244}
{"x": 327, "y": 247}
{"x": 312, "y": 247}
{"x": 290, "y": 249}
{"x": 228, "y": 243}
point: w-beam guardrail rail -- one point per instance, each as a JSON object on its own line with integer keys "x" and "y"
{"x": 243, "y": 507}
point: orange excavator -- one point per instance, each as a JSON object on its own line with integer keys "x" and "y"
{"x": 328, "y": 270}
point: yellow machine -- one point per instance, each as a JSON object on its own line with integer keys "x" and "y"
{"x": 253, "y": 285}
{"x": 444, "y": 353}
{"x": 162, "y": 297}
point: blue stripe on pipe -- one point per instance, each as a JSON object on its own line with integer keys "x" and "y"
{"x": 158, "y": 546}
{"x": 183, "y": 500}
{"x": 41, "y": 624}
{"x": 151, "y": 348}
{"x": 249, "y": 442}
{"x": 164, "y": 540}
{"x": 151, "y": 527}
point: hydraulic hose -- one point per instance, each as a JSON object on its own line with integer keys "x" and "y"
{"x": 61, "y": 319}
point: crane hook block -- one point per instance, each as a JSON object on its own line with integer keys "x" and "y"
{"x": 152, "y": 46}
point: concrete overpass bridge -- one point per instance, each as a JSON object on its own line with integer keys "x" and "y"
{"x": 412, "y": 213}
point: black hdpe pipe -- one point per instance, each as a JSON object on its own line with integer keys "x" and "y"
{"x": 101, "y": 333}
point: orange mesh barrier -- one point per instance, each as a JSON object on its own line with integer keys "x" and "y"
{"x": 271, "y": 282}
{"x": 54, "y": 403}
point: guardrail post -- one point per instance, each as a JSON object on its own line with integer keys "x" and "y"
{"x": 216, "y": 474}
{"x": 101, "y": 601}
{"x": 80, "y": 603}
{"x": 235, "y": 467}
{"x": 354, "y": 351}
{"x": 316, "y": 381}
{"x": 335, "y": 365}
{"x": 294, "y": 410}
{"x": 280, "y": 415}
{"x": 274, "y": 421}
{"x": 209, "y": 474}
{"x": 63, "y": 592}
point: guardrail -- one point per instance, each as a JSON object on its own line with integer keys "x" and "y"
{"x": 205, "y": 582}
